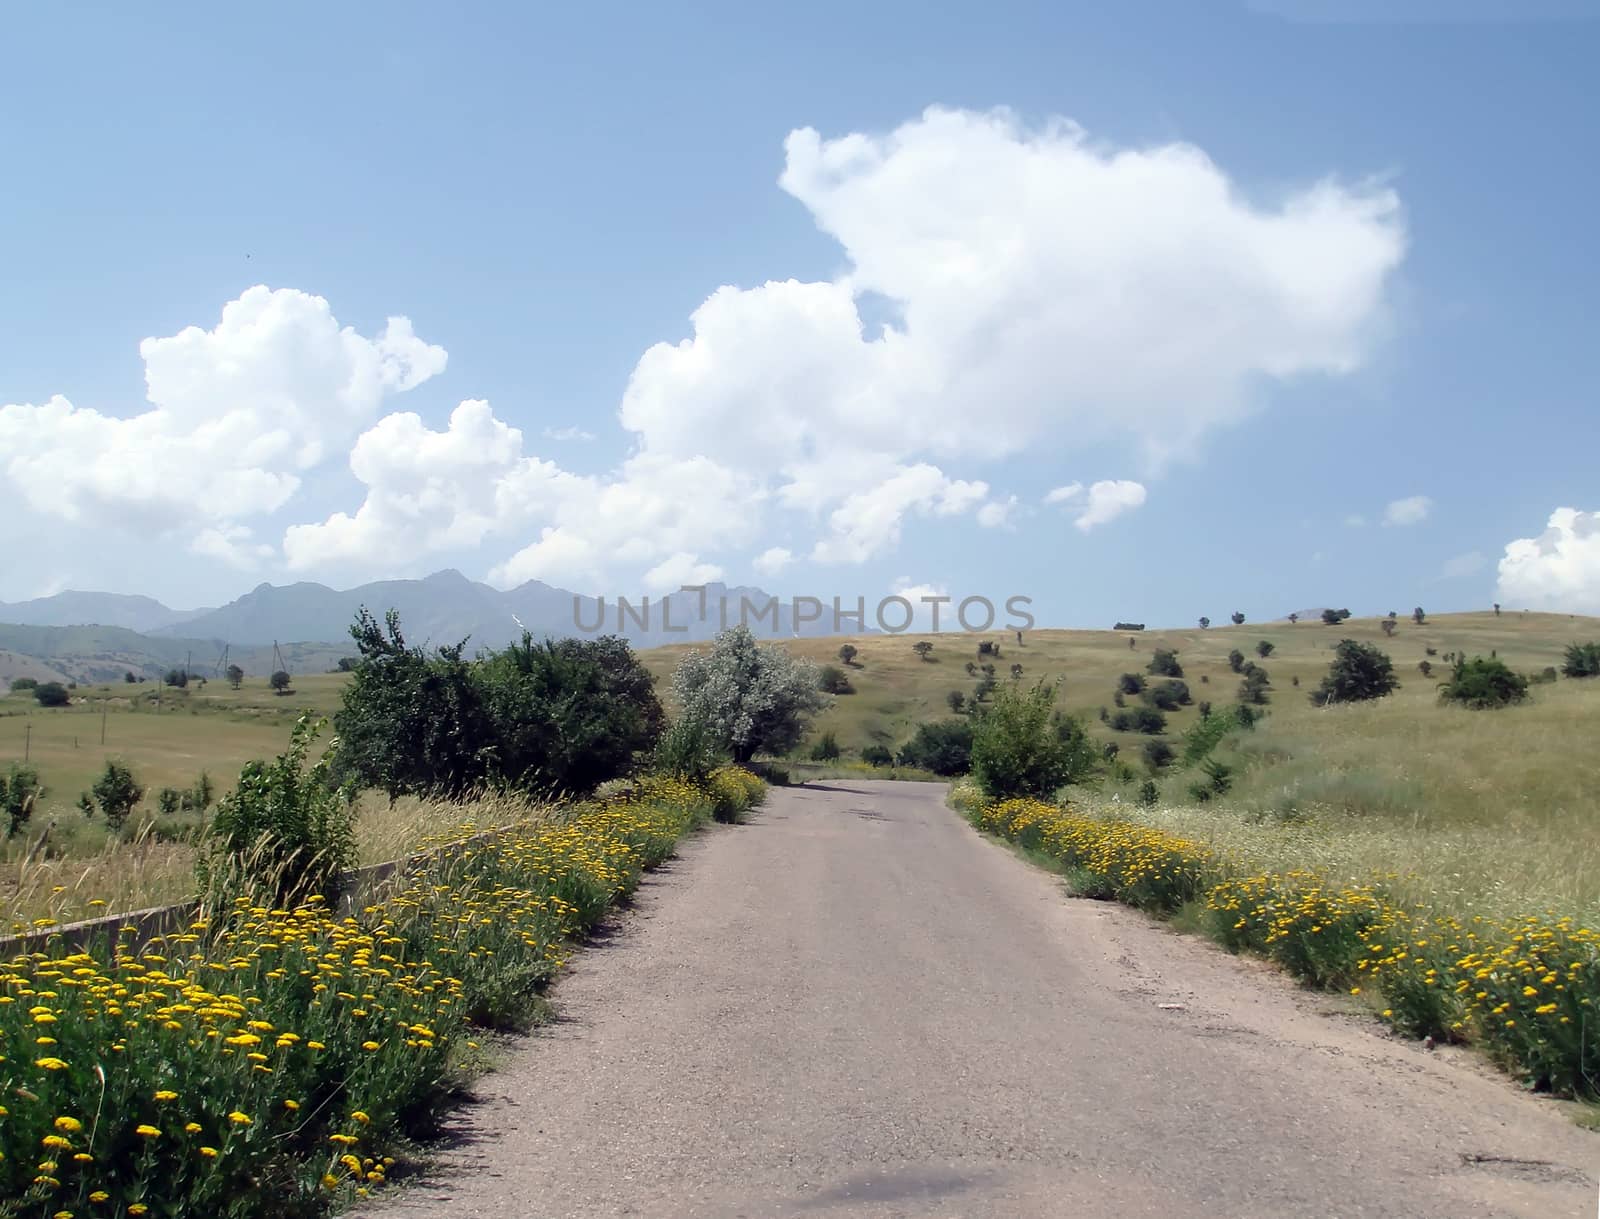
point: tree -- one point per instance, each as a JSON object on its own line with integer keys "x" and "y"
{"x": 1388, "y": 625}
{"x": 52, "y": 694}
{"x": 826, "y": 749}
{"x": 877, "y": 755}
{"x": 1484, "y": 684}
{"x": 1016, "y": 672}
{"x": 1330, "y": 617}
{"x": 1264, "y": 648}
{"x": 1236, "y": 660}
{"x": 129, "y": 678}
{"x": 1157, "y": 754}
{"x": 942, "y": 747}
{"x": 279, "y": 682}
{"x": 922, "y": 648}
{"x": 956, "y": 700}
{"x": 178, "y": 678}
{"x": 1253, "y": 689}
{"x": 411, "y": 720}
{"x": 1144, "y": 719}
{"x": 19, "y": 792}
{"x": 1238, "y": 618}
{"x": 1130, "y": 683}
{"x": 19, "y": 684}
{"x": 347, "y": 664}
{"x": 1293, "y": 618}
{"x": 565, "y": 715}
{"x": 235, "y": 676}
{"x": 831, "y": 679}
{"x": 755, "y": 698}
{"x": 847, "y": 653}
{"x": 1359, "y": 671}
{"x": 1581, "y": 660}
{"x": 1425, "y": 667}
{"x": 1496, "y": 609}
{"x": 1024, "y": 747}
{"x": 1165, "y": 664}
{"x": 1168, "y": 695}
{"x": 1204, "y": 623}
{"x": 117, "y": 792}
{"x": 1418, "y": 616}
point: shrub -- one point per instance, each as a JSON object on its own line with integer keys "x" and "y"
{"x": 987, "y": 647}
{"x": 1130, "y": 683}
{"x": 956, "y": 701}
{"x": 943, "y": 747}
{"x": 1359, "y": 671}
{"x": 1168, "y": 695}
{"x": 178, "y": 678}
{"x": 1236, "y": 660}
{"x": 1205, "y": 709}
{"x": 1425, "y": 667}
{"x": 1128, "y": 626}
{"x": 1484, "y": 684}
{"x": 877, "y": 755}
{"x": 19, "y": 684}
{"x": 1206, "y": 735}
{"x": 52, "y": 694}
{"x": 1204, "y": 623}
{"x": 686, "y": 750}
{"x": 1165, "y": 664}
{"x": 19, "y": 792}
{"x": 116, "y": 791}
{"x": 1157, "y": 754}
{"x": 1546, "y": 674}
{"x": 847, "y": 653}
{"x": 1237, "y": 618}
{"x": 1581, "y": 660}
{"x": 1253, "y": 689}
{"x": 167, "y": 801}
{"x": 826, "y": 749}
{"x": 922, "y": 648}
{"x": 279, "y": 682}
{"x": 1418, "y": 616}
{"x": 1219, "y": 775}
{"x": 1331, "y": 617}
{"x": 1149, "y": 793}
{"x": 198, "y": 798}
{"x": 1264, "y": 648}
{"x": 831, "y": 679}
{"x": 236, "y": 676}
{"x": 1139, "y": 719}
{"x": 286, "y": 829}
{"x": 1023, "y": 746}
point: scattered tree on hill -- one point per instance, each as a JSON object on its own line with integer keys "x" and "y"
{"x": 347, "y": 664}
{"x": 1157, "y": 754}
{"x": 1330, "y": 617}
{"x": 1253, "y": 689}
{"x": 178, "y": 678}
{"x": 985, "y": 687}
{"x": 19, "y": 792}
{"x": 1165, "y": 664}
{"x": 943, "y": 747}
{"x": 52, "y": 694}
{"x": 1236, "y": 660}
{"x": 757, "y": 698}
{"x": 1204, "y": 623}
{"x": 1168, "y": 695}
{"x": 1130, "y": 643}
{"x": 847, "y": 653}
{"x": 988, "y": 647}
{"x": 831, "y": 679}
{"x": 1418, "y": 616}
{"x": 1149, "y": 793}
{"x": 1129, "y": 626}
{"x": 1581, "y": 660}
{"x": 1425, "y": 667}
{"x": 1484, "y": 684}
{"x": 1205, "y": 710}
{"x": 1130, "y": 683}
{"x": 1293, "y": 618}
{"x": 1264, "y": 648}
{"x": 1388, "y": 625}
{"x": 235, "y": 676}
{"x": 1238, "y": 618}
{"x": 1449, "y": 656}
{"x": 1024, "y": 746}
{"x": 1016, "y": 672}
{"x": 116, "y": 791}
{"x": 129, "y": 679}
{"x": 18, "y": 684}
{"x": 922, "y": 648}
{"x": 1148, "y": 720}
{"x": 956, "y": 700}
{"x": 972, "y": 668}
{"x": 1496, "y": 609}
{"x": 1359, "y": 671}
{"x": 279, "y": 682}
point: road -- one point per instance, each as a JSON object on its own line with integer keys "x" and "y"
{"x": 856, "y": 1006}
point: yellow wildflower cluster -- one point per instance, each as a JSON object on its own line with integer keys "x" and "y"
{"x": 1524, "y": 991}
{"x": 263, "y": 1062}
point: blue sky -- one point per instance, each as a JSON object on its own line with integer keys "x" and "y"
{"x": 545, "y": 195}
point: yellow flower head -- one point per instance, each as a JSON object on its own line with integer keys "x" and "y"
{"x": 68, "y": 1125}
{"x": 239, "y": 1119}
{"x": 146, "y": 1131}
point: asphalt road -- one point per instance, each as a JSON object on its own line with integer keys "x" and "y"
{"x": 854, "y": 1005}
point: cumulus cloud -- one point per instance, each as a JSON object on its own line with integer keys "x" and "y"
{"x": 236, "y": 413}
{"x": 1412, "y": 510}
{"x": 566, "y": 433}
{"x": 1101, "y": 503}
{"x": 1064, "y": 495}
{"x": 679, "y": 569}
{"x": 868, "y": 522}
{"x": 773, "y": 560}
{"x": 1559, "y": 569}
{"x": 998, "y": 513}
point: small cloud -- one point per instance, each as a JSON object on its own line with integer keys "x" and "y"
{"x": 567, "y": 433}
{"x": 679, "y": 569}
{"x": 772, "y": 560}
{"x": 998, "y": 513}
{"x": 1109, "y": 499}
{"x": 1412, "y": 510}
{"x": 1355, "y": 520}
{"x": 1062, "y": 495}
{"x": 1464, "y": 565}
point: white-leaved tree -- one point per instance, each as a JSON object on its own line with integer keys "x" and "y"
{"x": 753, "y": 698}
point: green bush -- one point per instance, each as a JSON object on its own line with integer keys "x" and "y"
{"x": 1139, "y": 719}
{"x": 168, "y": 800}
{"x": 1483, "y": 684}
{"x": 19, "y": 792}
{"x": 826, "y": 749}
{"x": 1358, "y": 672}
{"x": 1023, "y": 746}
{"x": 286, "y": 832}
{"x": 1236, "y": 660}
{"x": 943, "y": 747}
{"x": 1157, "y": 754}
{"x": 1264, "y": 648}
{"x": 24, "y": 683}
{"x": 1130, "y": 683}
{"x": 1149, "y": 793}
{"x": 687, "y": 749}
{"x": 1581, "y": 660}
{"x": 52, "y": 694}
{"x": 1168, "y": 695}
{"x": 116, "y": 791}
{"x": 877, "y": 755}
{"x": 1165, "y": 664}
{"x": 831, "y": 679}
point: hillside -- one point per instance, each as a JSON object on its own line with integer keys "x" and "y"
{"x": 70, "y": 608}
{"x": 88, "y": 654}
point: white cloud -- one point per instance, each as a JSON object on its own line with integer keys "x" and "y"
{"x": 772, "y": 560}
{"x": 1106, "y": 500}
{"x": 1412, "y": 510}
{"x": 236, "y": 413}
{"x": 928, "y": 602}
{"x": 234, "y": 545}
{"x": 1463, "y": 565}
{"x": 677, "y": 570}
{"x": 1559, "y": 569}
{"x": 997, "y": 513}
{"x": 1064, "y": 495}
{"x": 868, "y": 522}
{"x": 566, "y": 433}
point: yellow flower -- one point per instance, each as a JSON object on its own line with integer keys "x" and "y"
{"x": 51, "y": 1064}
{"x": 291, "y": 1105}
{"x": 239, "y": 1119}
{"x": 55, "y": 1142}
{"x": 69, "y": 1125}
{"x": 138, "y": 1208}
{"x": 146, "y": 1131}
{"x": 209, "y": 1153}
{"x": 369, "y": 1046}
{"x": 361, "y": 1117}
{"x": 191, "y": 1127}
{"x": 99, "y": 1195}
{"x": 166, "y": 1094}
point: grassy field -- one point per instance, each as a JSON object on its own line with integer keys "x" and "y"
{"x": 1492, "y": 812}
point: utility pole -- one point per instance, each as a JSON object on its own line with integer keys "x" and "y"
{"x": 27, "y": 740}
{"x": 102, "y": 721}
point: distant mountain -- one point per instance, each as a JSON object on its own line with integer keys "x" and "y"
{"x": 133, "y": 613}
{"x": 104, "y": 653}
